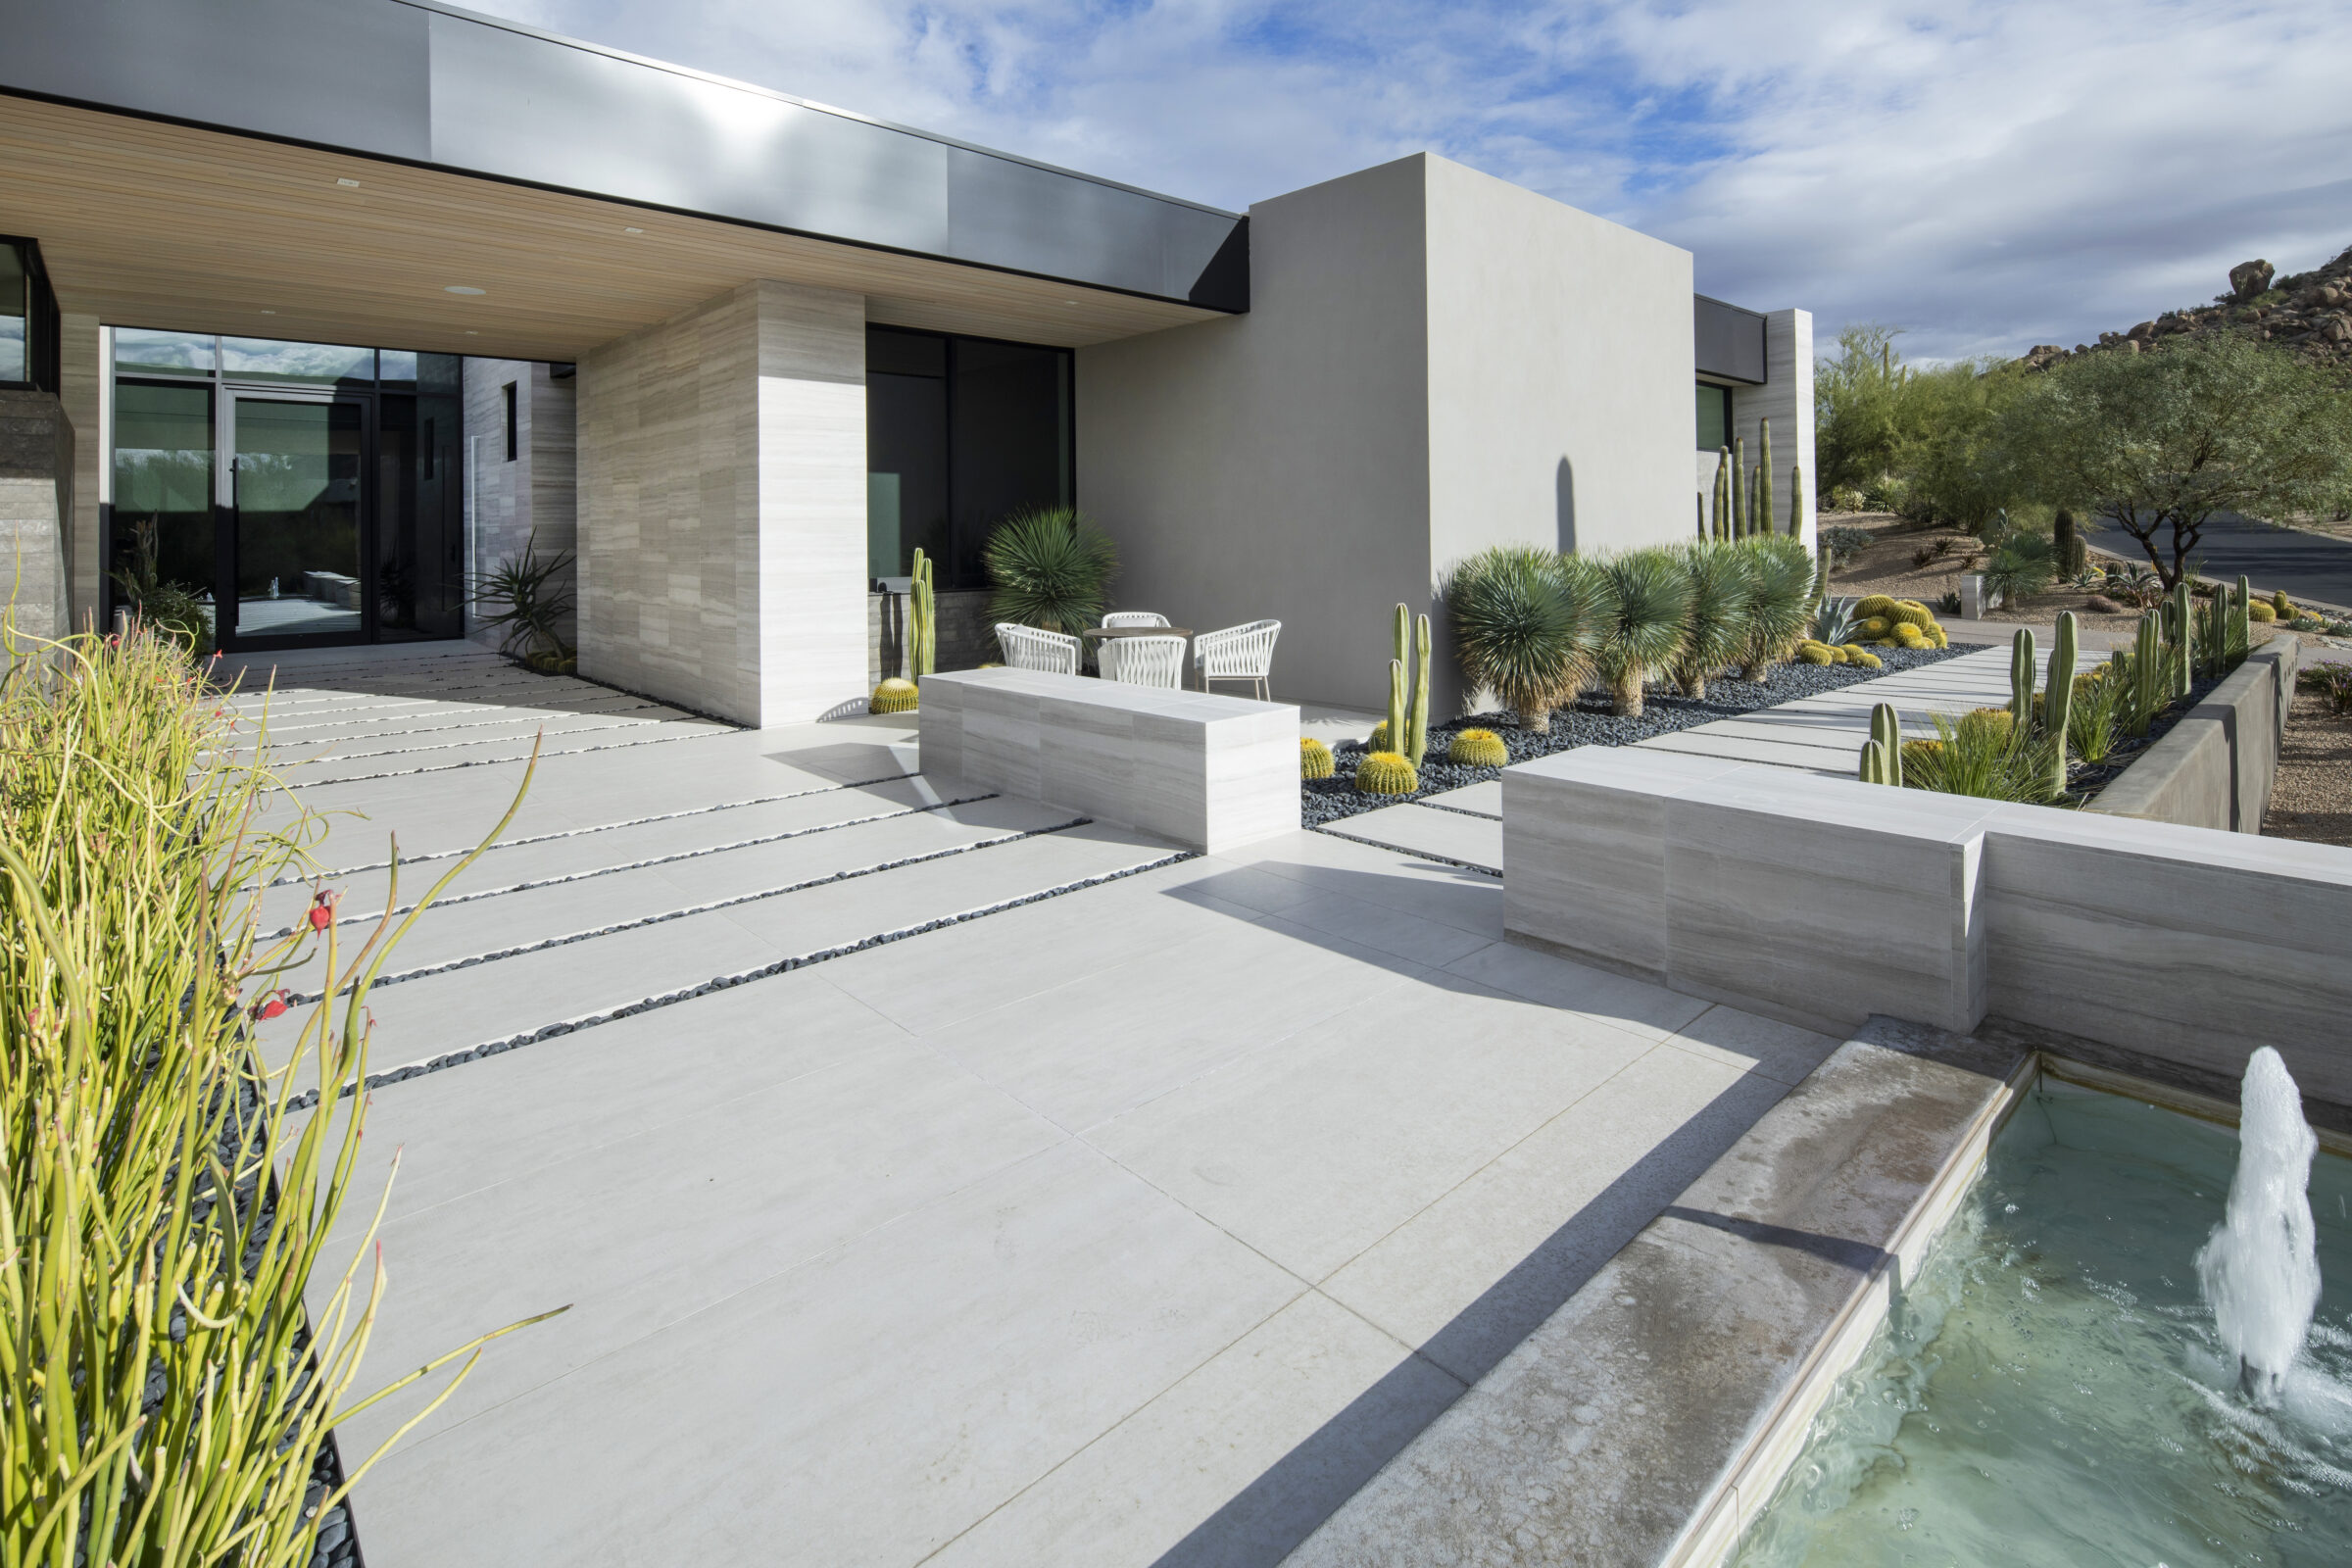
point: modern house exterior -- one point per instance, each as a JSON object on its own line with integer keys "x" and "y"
{"x": 332, "y": 306}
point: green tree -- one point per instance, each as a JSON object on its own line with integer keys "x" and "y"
{"x": 2161, "y": 441}
{"x": 1860, "y": 423}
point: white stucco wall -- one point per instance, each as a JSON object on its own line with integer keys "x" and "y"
{"x": 722, "y": 506}
{"x": 1434, "y": 361}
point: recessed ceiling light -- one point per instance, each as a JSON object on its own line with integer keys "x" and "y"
{"x": 269, "y": 313}
{"x": 352, "y": 183}
{"x": 471, "y": 332}
{"x": 1070, "y": 301}
{"x": 632, "y": 231}
{"x": 461, "y": 288}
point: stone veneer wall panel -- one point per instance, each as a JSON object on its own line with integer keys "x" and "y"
{"x": 536, "y": 492}
{"x": 1786, "y": 399}
{"x": 81, "y": 388}
{"x": 722, "y": 506}
{"x": 38, "y": 450}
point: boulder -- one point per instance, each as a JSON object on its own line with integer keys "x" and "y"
{"x": 2143, "y": 332}
{"x": 2337, "y": 331}
{"x": 2249, "y": 278}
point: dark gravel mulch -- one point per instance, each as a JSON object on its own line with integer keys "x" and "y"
{"x": 1591, "y": 723}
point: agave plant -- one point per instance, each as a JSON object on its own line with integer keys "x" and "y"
{"x": 1524, "y": 624}
{"x": 1644, "y": 623}
{"x": 1052, "y": 568}
{"x": 529, "y": 627}
{"x": 1836, "y": 621}
{"x": 1723, "y": 592}
{"x": 1781, "y": 604}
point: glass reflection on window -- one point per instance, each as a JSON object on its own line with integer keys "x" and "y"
{"x": 16, "y": 298}
{"x": 139, "y": 352}
{"x": 255, "y": 359}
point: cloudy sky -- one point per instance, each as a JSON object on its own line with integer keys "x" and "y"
{"x": 1986, "y": 175}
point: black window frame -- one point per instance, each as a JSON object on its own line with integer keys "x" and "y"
{"x": 949, "y": 577}
{"x": 1725, "y": 393}
{"x": 44, "y": 358}
{"x": 510, "y": 394}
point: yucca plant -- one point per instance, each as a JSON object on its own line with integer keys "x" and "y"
{"x": 1780, "y": 607}
{"x": 537, "y": 601}
{"x": 1524, "y": 625}
{"x": 162, "y": 1198}
{"x": 1723, "y": 593}
{"x": 1644, "y": 621}
{"x": 2098, "y": 716}
{"x": 1052, "y": 568}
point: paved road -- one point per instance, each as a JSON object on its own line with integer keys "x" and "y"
{"x": 2308, "y": 565}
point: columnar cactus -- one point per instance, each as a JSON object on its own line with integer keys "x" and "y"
{"x": 1739, "y": 487}
{"x": 2241, "y": 620}
{"x": 1877, "y": 766}
{"x": 923, "y": 629}
{"x": 1416, "y": 717}
{"x": 2151, "y": 673}
{"x": 2184, "y": 639}
{"x": 2021, "y": 676}
{"x": 2058, "y": 702}
{"x": 1723, "y": 492}
{"x": 1797, "y": 500}
{"x": 1886, "y": 734}
{"x": 1759, "y": 515}
{"x": 1395, "y": 732}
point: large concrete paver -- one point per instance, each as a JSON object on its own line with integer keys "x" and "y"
{"x": 1458, "y": 836}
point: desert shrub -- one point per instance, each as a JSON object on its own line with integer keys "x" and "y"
{"x": 1643, "y": 620}
{"x": 2100, "y": 604}
{"x": 2025, "y": 565}
{"x": 1525, "y": 621}
{"x": 1722, "y": 581}
{"x": 2333, "y": 682}
{"x": 2096, "y": 717}
{"x": 1977, "y": 757}
{"x": 1949, "y": 602}
{"x": 1845, "y": 542}
{"x": 1781, "y": 605}
{"x": 1051, "y": 567}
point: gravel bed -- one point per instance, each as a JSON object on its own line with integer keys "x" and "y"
{"x": 1591, "y": 723}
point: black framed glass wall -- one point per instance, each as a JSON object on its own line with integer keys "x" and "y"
{"x": 308, "y": 493}
{"x": 1714, "y": 416}
{"x": 960, "y": 434}
{"x": 29, "y": 320}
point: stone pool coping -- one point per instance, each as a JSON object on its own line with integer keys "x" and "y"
{"x": 1652, "y": 1417}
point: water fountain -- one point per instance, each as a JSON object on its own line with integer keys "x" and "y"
{"x": 2260, "y": 1269}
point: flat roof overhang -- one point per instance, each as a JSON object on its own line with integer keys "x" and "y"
{"x": 285, "y": 168}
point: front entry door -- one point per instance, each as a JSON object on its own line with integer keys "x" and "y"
{"x": 298, "y": 523}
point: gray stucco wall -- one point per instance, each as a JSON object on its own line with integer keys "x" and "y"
{"x": 722, "y": 506}
{"x": 536, "y": 492}
{"x": 1277, "y": 464}
{"x": 1434, "y": 361}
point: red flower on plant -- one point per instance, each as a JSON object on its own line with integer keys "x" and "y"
{"x": 323, "y": 910}
{"x": 271, "y": 1006}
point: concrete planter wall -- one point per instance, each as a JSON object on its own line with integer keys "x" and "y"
{"x": 2216, "y": 766}
{"x": 1825, "y": 901}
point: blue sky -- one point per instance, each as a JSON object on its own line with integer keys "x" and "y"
{"x": 1986, "y": 175}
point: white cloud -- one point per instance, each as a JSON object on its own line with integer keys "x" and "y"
{"x": 1989, "y": 176}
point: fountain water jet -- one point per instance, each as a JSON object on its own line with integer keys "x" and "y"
{"x": 2260, "y": 1270}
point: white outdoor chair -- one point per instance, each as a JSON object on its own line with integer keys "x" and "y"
{"x": 1239, "y": 652}
{"x": 1133, "y": 617}
{"x": 1143, "y": 661}
{"x": 1028, "y": 648}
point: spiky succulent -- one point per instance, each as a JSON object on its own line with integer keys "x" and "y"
{"x": 1781, "y": 604}
{"x": 1524, "y": 624}
{"x": 1722, "y": 594}
{"x": 1646, "y": 618}
{"x": 1478, "y": 747}
{"x": 1050, "y": 566}
{"x": 1386, "y": 773}
{"x": 894, "y": 696}
{"x": 1837, "y": 621}
{"x": 1314, "y": 758}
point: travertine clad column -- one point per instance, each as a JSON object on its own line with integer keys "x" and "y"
{"x": 1786, "y": 399}
{"x": 722, "y": 506}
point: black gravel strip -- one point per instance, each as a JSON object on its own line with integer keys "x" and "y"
{"x": 602, "y": 827}
{"x": 658, "y": 860}
{"x": 305, "y": 999}
{"x": 1591, "y": 723}
{"x": 1418, "y": 854}
{"x": 484, "y": 762}
{"x": 310, "y": 1097}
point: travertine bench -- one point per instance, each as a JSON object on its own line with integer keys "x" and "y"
{"x": 1208, "y": 772}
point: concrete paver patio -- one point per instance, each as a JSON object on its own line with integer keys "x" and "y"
{"x": 1138, "y": 1216}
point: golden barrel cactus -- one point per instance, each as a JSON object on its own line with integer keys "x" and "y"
{"x": 1314, "y": 758}
{"x": 894, "y": 696}
{"x": 1478, "y": 747}
{"x": 1856, "y": 653}
{"x": 1386, "y": 773}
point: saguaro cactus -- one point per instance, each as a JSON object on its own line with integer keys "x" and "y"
{"x": 2242, "y": 622}
{"x": 1887, "y": 732}
{"x": 2185, "y": 636}
{"x": 1723, "y": 492}
{"x": 2058, "y": 702}
{"x": 1797, "y": 500}
{"x": 2021, "y": 679}
{"x": 1759, "y": 517}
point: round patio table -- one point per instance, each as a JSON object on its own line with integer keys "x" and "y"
{"x": 1098, "y": 633}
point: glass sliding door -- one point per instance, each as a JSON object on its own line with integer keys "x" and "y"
{"x": 297, "y": 508}
{"x": 163, "y": 509}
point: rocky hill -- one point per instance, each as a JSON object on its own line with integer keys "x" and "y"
{"x": 2310, "y": 313}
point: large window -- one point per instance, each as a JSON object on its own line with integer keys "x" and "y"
{"x": 960, "y": 432}
{"x": 1714, "y": 416}
{"x": 27, "y": 318}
